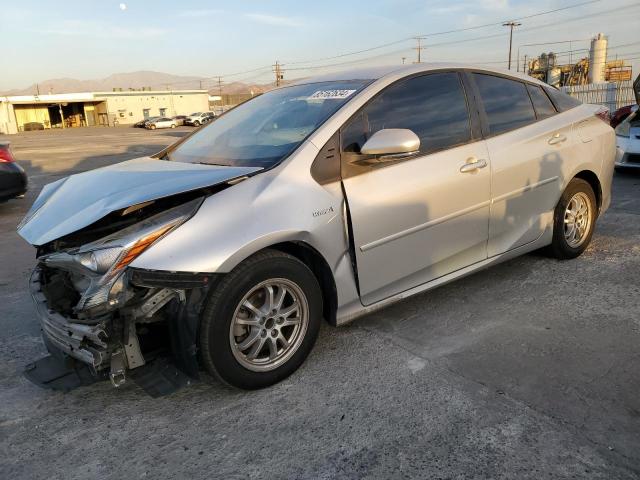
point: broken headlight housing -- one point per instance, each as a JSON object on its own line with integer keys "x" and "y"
{"x": 100, "y": 265}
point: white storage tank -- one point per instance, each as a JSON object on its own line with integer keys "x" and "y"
{"x": 597, "y": 58}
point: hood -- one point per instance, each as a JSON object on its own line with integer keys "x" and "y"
{"x": 77, "y": 201}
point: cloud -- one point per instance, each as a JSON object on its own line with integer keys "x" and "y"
{"x": 205, "y": 12}
{"x": 78, "y": 28}
{"x": 448, "y": 9}
{"x": 275, "y": 20}
{"x": 493, "y": 4}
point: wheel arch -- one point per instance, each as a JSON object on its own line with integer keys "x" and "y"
{"x": 313, "y": 259}
{"x": 592, "y": 179}
{"x": 321, "y": 270}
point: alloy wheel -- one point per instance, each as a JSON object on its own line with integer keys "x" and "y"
{"x": 269, "y": 324}
{"x": 577, "y": 219}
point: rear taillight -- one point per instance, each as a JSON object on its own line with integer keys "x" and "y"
{"x": 603, "y": 115}
{"x": 5, "y": 155}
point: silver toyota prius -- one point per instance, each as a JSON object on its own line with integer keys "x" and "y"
{"x": 329, "y": 198}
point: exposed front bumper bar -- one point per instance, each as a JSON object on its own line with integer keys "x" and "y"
{"x": 87, "y": 343}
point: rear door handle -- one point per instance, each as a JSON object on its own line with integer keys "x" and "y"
{"x": 472, "y": 165}
{"x": 557, "y": 138}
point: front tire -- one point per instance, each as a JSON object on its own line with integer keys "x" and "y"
{"x": 261, "y": 321}
{"x": 574, "y": 220}
{"x": 196, "y": 123}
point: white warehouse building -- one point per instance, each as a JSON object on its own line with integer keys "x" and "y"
{"x": 69, "y": 110}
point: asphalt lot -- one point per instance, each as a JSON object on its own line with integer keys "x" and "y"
{"x": 526, "y": 370}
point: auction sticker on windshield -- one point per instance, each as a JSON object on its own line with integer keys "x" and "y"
{"x": 331, "y": 94}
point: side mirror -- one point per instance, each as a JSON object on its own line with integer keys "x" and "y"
{"x": 391, "y": 141}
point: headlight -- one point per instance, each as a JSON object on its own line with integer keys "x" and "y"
{"x": 624, "y": 129}
{"x": 104, "y": 260}
{"x": 99, "y": 261}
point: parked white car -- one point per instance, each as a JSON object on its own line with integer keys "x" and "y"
{"x": 628, "y": 142}
{"x": 628, "y": 136}
{"x": 162, "y": 122}
{"x": 198, "y": 118}
{"x": 329, "y": 198}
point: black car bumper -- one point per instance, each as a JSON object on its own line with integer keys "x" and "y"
{"x": 13, "y": 180}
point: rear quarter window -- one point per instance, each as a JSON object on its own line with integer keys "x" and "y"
{"x": 541, "y": 103}
{"x": 561, "y": 100}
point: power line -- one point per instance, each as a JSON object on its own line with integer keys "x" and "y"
{"x": 351, "y": 62}
{"x": 533, "y": 15}
{"x": 433, "y": 34}
{"x": 466, "y": 40}
{"x": 263, "y": 70}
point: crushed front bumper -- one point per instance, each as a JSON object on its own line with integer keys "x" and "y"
{"x": 87, "y": 343}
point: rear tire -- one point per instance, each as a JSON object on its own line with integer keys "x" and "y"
{"x": 173, "y": 126}
{"x": 261, "y": 321}
{"x": 574, "y": 220}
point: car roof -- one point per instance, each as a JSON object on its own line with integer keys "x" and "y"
{"x": 376, "y": 73}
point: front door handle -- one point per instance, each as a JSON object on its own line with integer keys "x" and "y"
{"x": 472, "y": 165}
{"x": 556, "y": 139}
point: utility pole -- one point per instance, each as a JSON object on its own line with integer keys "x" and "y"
{"x": 173, "y": 107}
{"x": 277, "y": 69}
{"x": 511, "y": 25}
{"x": 526, "y": 64}
{"x": 403, "y": 59}
{"x": 419, "y": 48}
{"x": 220, "y": 87}
{"x": 200, "y": 84}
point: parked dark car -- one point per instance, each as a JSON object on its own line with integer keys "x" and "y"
{"x": 620, "y": 114}
{"x": 179, "y": 119}
{"x": 30, "y": 126}
{"x": 13, "y": 179}
{"x": 143, "y": 123}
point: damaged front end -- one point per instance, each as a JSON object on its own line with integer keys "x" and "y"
{"x": 95, "y": 309}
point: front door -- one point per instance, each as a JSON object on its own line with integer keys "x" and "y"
{"x": 418, "y": 218}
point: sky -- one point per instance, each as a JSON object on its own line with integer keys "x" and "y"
{"x": 241, "y": 40}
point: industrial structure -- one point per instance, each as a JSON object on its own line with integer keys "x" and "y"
{"x": 69, "y": 110}
{"x": 595, "y": 68}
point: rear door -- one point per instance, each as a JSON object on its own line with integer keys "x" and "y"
{"x": 418, "y": 218}
{"x": 526, "y": 147}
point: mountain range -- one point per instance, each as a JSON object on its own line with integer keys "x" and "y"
{"x": 136, "y": 80}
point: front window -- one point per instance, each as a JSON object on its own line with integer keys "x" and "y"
{"x": 266, "y": 129}
{"x": 432, "y": 106}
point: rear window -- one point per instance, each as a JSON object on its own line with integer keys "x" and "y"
{"x": 506, "y": 103}
{"x": 543, "y": 106}
{"x": 562, "y": 101}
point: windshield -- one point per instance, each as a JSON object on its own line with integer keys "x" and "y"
{"x": 264, "y": 130}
